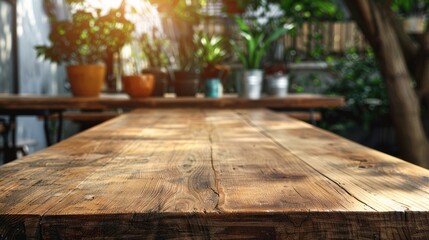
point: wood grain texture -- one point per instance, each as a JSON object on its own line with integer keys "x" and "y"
{"x": 38, "y": 102}
{"x": 211, "y": 174}
{"x": 304, "y": 115}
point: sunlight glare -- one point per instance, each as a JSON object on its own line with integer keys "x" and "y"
{"x": 104, "y": 5}
{"x": 140, "y": 12}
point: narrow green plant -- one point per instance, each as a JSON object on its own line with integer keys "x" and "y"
{"x": 256, "y": 42}
{"x": 154, "y": 46}
{"x": 211, "y": 49}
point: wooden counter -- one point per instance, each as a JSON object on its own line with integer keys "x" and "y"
{"x": 212, "y": 174}
{"x": 48, "y": 106}
{"x": 43, "y": 102}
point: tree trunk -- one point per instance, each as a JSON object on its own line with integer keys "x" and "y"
{"x": 374, "y": 21}
{"x": 422, "y": 72}
{"x": 423, "y": 90}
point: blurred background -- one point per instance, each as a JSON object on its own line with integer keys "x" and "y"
{"x": 321, "y": 51}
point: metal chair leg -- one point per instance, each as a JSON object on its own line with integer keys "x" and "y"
{"x": 60, "y": 126}
{"x": 10, "y": 130}
{"x": 46, "y": 128}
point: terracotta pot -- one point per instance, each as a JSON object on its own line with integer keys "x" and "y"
{"x": 138, "y": 86}
{"x": 216, "y": 71}
{"x": 86, "y": 80}
{"x": 161, "y": 81}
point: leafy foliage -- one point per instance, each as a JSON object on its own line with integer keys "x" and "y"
{"x": 181, "y": 16}
{"x": 410, "y": 7}
{"x": 360, "y": 82}
{"x": 184, "y": 53}
{"x": 180, "y": 10}
{"x": 154, "y": 47}
{"x": 256, "y": 41}
{"x": 211, "y": 49}
{"x": 300, "y": 11}
{"x": 308, "y": 10}
{"x": 87, "y": 38}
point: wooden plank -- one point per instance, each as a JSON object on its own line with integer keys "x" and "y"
{"x": 254, "y": 176}
{"x": 337, "y": 37}
{"x": 354, "y": 167}
{"x": 32, "y": 186}
{"x": 16, "y": 102}
{"x": 211, "y": 173}
{"x": 86, "y": 116}
{"x": 305, "y": 116}
{"x": 299, "y": 225}
{"x": 165, "y": 173}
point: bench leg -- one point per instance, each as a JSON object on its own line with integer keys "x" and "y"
{"x": 46, "y": 128}
{"x": 312, "y": 119}
{"x": 5, "y": 139}
{"x": 10, "y": 151}
{"x": 60, "y": 126}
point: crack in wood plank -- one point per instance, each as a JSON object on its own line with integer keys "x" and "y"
{"x": 215, "y": 173}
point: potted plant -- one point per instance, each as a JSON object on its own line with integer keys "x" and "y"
{"x": 212, "y": 53}
{"x": 187, "y": 65}
{"x": 135, "y": 83}
{"x": 181, "y": 17}
{"x": 256, "y": 39}
{"x": 277, "y": 80}
{"x": 84, "y": 42}
{"x": 139, "y": 85}
{"x": 154, "y": 46}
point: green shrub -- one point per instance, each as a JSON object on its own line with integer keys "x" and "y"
{"x": 361, "y": 84}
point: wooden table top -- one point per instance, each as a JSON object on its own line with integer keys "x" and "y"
{"x": 212, "y": 174}
{"x": 110, "y": 101}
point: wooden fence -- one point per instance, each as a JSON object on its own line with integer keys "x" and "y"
{"x": 311, "y": 39}
{"x": 333, "y": 38}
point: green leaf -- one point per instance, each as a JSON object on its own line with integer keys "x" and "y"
{"x": 241, "y": 53}
{"x": 242, "y": 24}
{"x": 275, "y": 35}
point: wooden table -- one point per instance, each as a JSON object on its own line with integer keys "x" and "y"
{"x": 212, "y": 174}
{"x": 44, "y": 105}
{"x": 111, "y": 101}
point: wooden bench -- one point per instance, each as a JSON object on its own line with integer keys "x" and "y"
{"x": 211, "y": 174}
{"x": 104, "y": 116}
{"x": 85, "y": 116}
{"x": 305, "y": 115}
{"x": 3, "y": 134}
